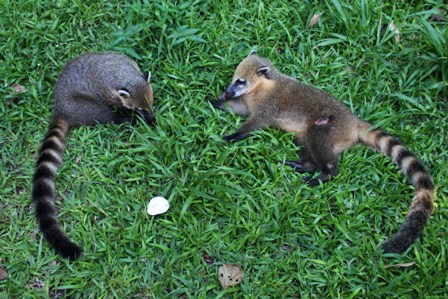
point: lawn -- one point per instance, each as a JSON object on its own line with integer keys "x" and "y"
{"x": 234, "y": 203}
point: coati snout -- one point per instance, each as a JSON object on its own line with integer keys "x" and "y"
{"x": 140, "y": 104}
{"x": 237, "y": 88}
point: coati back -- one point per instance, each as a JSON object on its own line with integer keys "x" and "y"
{"x": 325, "y": 127}
{"x": 86, "y": 89}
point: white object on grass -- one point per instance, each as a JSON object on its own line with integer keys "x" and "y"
{"x": 157, "y": 205}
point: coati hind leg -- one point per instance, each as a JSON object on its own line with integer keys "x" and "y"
{"x": 305, "y": 162}
{"x": 319, "y": 145}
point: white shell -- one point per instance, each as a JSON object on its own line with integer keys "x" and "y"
{"x": 157, "y": 205}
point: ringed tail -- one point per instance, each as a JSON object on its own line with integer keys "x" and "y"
{"x": 423, "y": 202}
{"x": 50, "y": 158}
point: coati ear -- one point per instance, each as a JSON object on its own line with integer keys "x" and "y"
{"x": 124, "y": 93}
{"x": 263, "y": 71}
{"x": 253, "y": 52}
{"x": 149, "y": 77}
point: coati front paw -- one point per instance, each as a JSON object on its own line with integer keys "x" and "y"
{"x": 126, "y": 119}
{"x": 148, "y": 117}
{"x": 229, "y": 138}
{"x": 217, "y": 104}
{"x": 235, "y": 137}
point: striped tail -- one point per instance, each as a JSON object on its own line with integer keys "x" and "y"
{"x": 50, "y": 157}
{"x": 422, "y": 203}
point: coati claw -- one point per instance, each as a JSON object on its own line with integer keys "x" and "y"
{"x": 229, "y": 138}
{"x": 310, "y": 181}
{"x": 235, "y": 137}
{"x": 216, "y": 104}
{"x": 148, "y": 117}
{"x": 300, "y": 167}
{"x": 297, "y": 166}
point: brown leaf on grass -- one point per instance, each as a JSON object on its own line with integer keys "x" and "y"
{"x": 208, "y": 259}
{"x": 437, "y": 18}
{"x": 230, "y": 275}
{"x": 18, "y": 88}
{"x": 403, "y": 265}
{"x": 286, "y": 248}
{"x": 3, "y": 273}
{"x": 314, "y": 19}
{"x": 38, "y": 283}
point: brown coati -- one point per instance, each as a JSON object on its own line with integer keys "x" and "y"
{"x": 325, "y": 127}
{"x": 86, "y": 92}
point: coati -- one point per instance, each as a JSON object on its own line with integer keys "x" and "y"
{"x": 324, "y": 128}
{"x": 86, "y": 90}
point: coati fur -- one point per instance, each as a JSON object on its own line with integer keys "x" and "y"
{"x": 324, "y": 128}
{"x": 86, "y": 90}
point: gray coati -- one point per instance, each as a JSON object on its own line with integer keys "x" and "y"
{"x": 325, "y": 128}
{"x": 86, "y": 92}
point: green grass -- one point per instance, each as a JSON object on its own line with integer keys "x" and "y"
{"x": 238, "y": 202}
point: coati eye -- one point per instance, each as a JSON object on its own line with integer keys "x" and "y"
{"x": 240, "y": 81}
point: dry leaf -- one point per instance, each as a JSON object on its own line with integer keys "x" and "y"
{"x": 38, "y": 283}
{"x": 403, "y": 265}
{"x": 437, "y": 18}
{"x": 230, "y": 275}
{"x": 395, "y": 30}
{"x": 314, "y": 19}
{"x": 208, "y": 259}
{"x": 18, "y": 88}
{"x": 286, "y": 247}
{"x": 3, "y": 273}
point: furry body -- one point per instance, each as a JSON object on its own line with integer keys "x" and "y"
{"x": 324, "y": 128}
{"x": 86, "y": 89}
